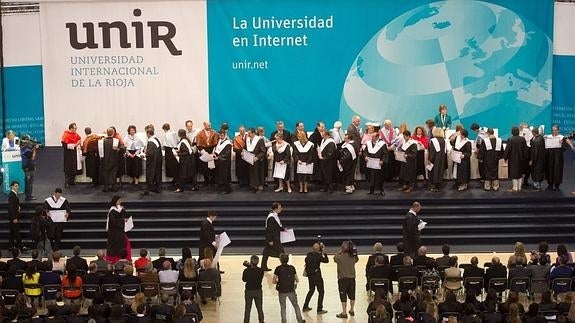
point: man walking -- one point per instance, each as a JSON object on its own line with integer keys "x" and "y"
{"x": 273, "y": 246}
{"x": 285, "y": 278}
{"x": 411, "y": 230}
{"x": 55, "y": 206}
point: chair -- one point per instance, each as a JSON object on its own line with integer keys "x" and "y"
{"x": 464, "y": 266}
{"x": 441, "y": 270}
{"x": 453, "y": 280}
{"x": 9, "y": 296}
{"x": 90, "y": 291}
{"x": 538, "y": 286}
{"x": 519, "y": 284}
{"x": 446, "y": 315}
{"x": 81, "y": 272}
{"x": 550, "y": 316}
{"x": 19, "y": 274}
{"x": 208, "y": 289}
{"x": 407, "y": 283}
{"x": 561, "y": 285}
{"x": 193, "y": 317}
{"x": 33, "y": 286}
{"x": 71, "y": 289}
{"x": 192, "y": 287}
{"x": 395, "y": 269}
{"x": 110, "y": 292}
{"x": 170, "y": 289}
{"x": 49, "y": 292}
{"x": 498, "y": 284}
{"x": 431, "y": 283}
{"x": 129, "y": 291}
{"x": 379, "y": 283}
{"x": 475, "y": 284}
{"x": 150, "y": 290}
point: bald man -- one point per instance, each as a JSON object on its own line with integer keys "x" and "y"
{"x": 206, "y": 139}
{"x": 411, "y": 232}
{"x": 496, "y": 270}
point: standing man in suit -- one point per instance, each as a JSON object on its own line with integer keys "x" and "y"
{"x": 208, "y": 235}
{"x": 280, "y": 130}
{"x": 14, "y": 216}
{"x": 355, "y": 131}
{"x": 273, "y": 247}
{"x": 411, "y": 234}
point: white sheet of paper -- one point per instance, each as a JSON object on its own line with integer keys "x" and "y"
{"x": 223, "y": 240}
{"x": 372, "y": 163}
{"x": 305, "y": 168}
{"x": 429, "y": 167}
{"x": 400, "y": 156}
{"x": 421, "y": 225}
{"x": 248, "y": 157}
{"x": 58, "y": 216}
{"x": 211, "y": 164}
{"x": 287, "y": 236}
{"x": 206, "y": 157}
{"x": 552, "y": 143}
{"x": 129, "y": 224}
{"x": 456, "y": 156}
{"x": 280, "y": 170}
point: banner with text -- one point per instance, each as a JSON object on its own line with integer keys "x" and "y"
{"x": 489, "y": 62}
{"x": 123, "y": 62}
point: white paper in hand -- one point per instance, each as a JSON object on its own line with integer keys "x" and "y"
{"x": 287, "y": 236}
{"x": 129, "y": 224}
{"x": 421, "y": 225}
{"x": 58, "y": 216}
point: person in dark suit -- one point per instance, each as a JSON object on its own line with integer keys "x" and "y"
{"x": 207, "y": 235}
{"x": 355, "y": 131}
{"x": 408, "y": 270}
{"x": 273, "y": 247}
{"x": 158, "y": 263}
{"x": 16, "y": 263}
{"x": 381, "y": 269}
{"x": 444, "y": 260}
{"x": 154, "y": 158}
{"x": 496, "y": 270}
{"x": 473, "y": 270}
{"x": 13, "y": 216}
{"x": 411, "y": 234}
{"x": 280, "y": 129}
{"x": 377, "y": 251}
{"x": 422, "y": 259}
{"x": 397, "y": 259}
{"x": 78, "y": 262}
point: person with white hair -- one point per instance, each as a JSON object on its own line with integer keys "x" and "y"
{"x": 337, "y": 133}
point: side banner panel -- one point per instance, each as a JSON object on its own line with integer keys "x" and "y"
{"x": 563, "y": 67}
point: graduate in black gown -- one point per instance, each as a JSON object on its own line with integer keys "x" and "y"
{"x": 117, "y": 239}
{"x": 223, "y": 158}
{"x": 407, "y": 170}
{"x": 90, "y": 152}
{"x": 185, "y": 160}
{"x": 273, "y": 247}
{"x": 327, "y": 154}
{"x": 134, "y": 146}
{"x": 242, "y": 167}
{"x": 411, "y": 232}
{"x": 153, "y": 155}
{"x": 375, "y": 151}
{"x": 347, "y": 160}
{"x": 282, "y": 155}
{"x": 109, "y": 159}
{"x": 256, "y": 146}
{"x": 438, "y": 158}
{"x": 537, "y": 159}
{"x": 490, "y": 152}
{"x": 303, "y": 154}
{"x": 462, "y": 170}
{"x": 70, "y": 142}
{"x": 171, "y": 140}
{"x": 207, "y": 235}
{"x": 515, "y": 155}
{"x": 57, "y": 202}
{"x": 555, "y": 145}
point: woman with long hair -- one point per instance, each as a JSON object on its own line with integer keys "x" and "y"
{"x": 186, "y": 254}
{"x": 423, "y": 145}
{"x": 31, "y": 280}
{"x": 134, "y": 147}
{"x": 117, "y": 238}
{"x": 189, "y": 272}
{"x": 303, "y": 157}
{"x": 72, "y": 284}
{"x": 562, "y": 251}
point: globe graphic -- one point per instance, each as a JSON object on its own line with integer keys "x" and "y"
{"x": 485, "y": 62}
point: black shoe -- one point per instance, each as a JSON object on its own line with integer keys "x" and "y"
{"x": 306, "y": 309}
{"x": 370, "y": 192}
{"x": 222, "y": 272}
{"x": 195, "y": 188}
{"x": 321, "y": 312}
{"x": 382, "y": 193}
{"x": 266, "y": 269}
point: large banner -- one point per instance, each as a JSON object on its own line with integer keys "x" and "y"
{"x": 489, "y": 62}
{"x": 563, "y": 67}
{"x": 123, "y": 62}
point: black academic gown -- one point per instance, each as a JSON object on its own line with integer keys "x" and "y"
{"x": 439, "y": 160}
{"x": 407, "y": 171}
{"x": 186, "y": 162}
{"x": 305, "y": 157}
{"x": 242, "y": 167}
{"x": 116, "y": 236}
{"x": 207, "y": 236}
{"x": 58, "y": 227}
{"x": 464, "y": 168}
{"x": 348, "y": 164}
{"x": 316, "y": 139}
{"x": 109, "y": 162}
{"x": 490, "y": 159}
{"x": 257, "y": 170}
{"x": 172, "y": 167}
{"x": 515, "y": 155}
{"x": 14, "y": 214}
{"x": 537, "y": 158}
{"x": 224, "y": 166}
{"x": 328, "y": 164}
{"x": 376, "y": 175}
{"x": 554, "y": 162}
{"x": 153, "y": 164}
{"x": 411, "y": 235}
{"x": 70, "y": 161}
{"x": 273, "y": 230}
{"x": 284, "y": 156}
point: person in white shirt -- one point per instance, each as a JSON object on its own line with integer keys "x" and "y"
{"x": 11, "y": 142}
{"x": 168, "y": 275}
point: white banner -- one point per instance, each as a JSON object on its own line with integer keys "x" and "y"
{"x": 123, "y": 62}
{"x": 564, "y": 42}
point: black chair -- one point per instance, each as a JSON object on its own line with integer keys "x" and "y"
{"x": 498, "y": 284}
{"x": 519, "y": 284}
{"x": 81, "y": 272}
{"x": 550, "y": 316}
{"x": 110, "y": 292}
{"x": 407, "y": 283}
{"x": 90, "y": 291}
{"x": 33, "y": 286}
{"x": 441, "y": 270}
{"x": 208, "y": 289}
{"x": 431, "y": 283}
{"x": 396, "y": 269}
{"x": 464, "y": 266}
{"x": 129, "y": 291}
{"x": 150, "y": 290}
{"x": 379, "y": 283}
{"x": 49, "y": 292}
{"x": 9, "y": 296}
{"x": 538, "y": 286}
{"x": 19, "y": 274}
{"x": 561, "y": 285}
{"x": 446, "y": 315}
{"x": 193, "y": 317}
{"x": 192, "y": 287}
{"x": 475, "y": 284}
{"x": 170, "y": 289}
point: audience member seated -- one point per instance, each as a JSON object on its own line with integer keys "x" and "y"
{"x": 186, "y": 253}
{"x": 405, "y": 304}
{"x": 124, "y": 261}
{"x": 92, "y": 277}
{"x": 78, "y": 262}
{"x": 149, "y": 275}
{"x": 377, "y": 251}
{"x": 518, "y": 255}
{"x": 142, "y": 311}
{"x": 58, "y": 264}
{"x": 379, "y": 298}
{"x": 547, "y": 303}
{"x": 72, "y": 284}
{"x": 561, "y": 270}
{"x": 491, "y": 301}
{"x": 188, "y": 273}
{"x": 534, "y": 258}
{"x": 562, "y": 251}
{"x": 421, "y": 259}
{"x": 469, "y": 315}
{"x": 408, "y": 270}
{"x": 159, "y": 263}
{"x": 430, "y": 271}
{"x": 139, "y": 299}
{"x": 163, "y": 311}
{"x": 443, "y": 261}
{"x": 471, "y": 299}
{"x": 473, "y": 270}
{"x": 31, "y": 282}
{"x": 168, "y": 275}
{"x": 210, "y": 274}
{"x": 48, "y": 277}
{"x": 518, "y": 270}
{"x": 422, "y": 299}
{"x": 381, "y": 270}
{"x": 60, "y": 309}
{"x": 109, "y": 277}
{"x": 397, "y": 259}
{"x": 532, "y": 315}
{"x": 450, "y": 304}
{"x": 75, "y": 316}
{"x": 541, "y": 270}
{"x": 496, "y": 270}
{"x": 512, "y": 298}
{"x": 431, "y": 314}
{"x": 3, "y": 265}
{"x": 12, "y": 282}
{"x": 514, "y": 315}
{"x": 208, "y": 254}
{"x": 100, "y": 261}
{"x": 565, "y": 304}
{"x": 453, "y": 275}
{"x": 128, "y": 278}
{"x": 180, "y": 315}
{"x": 36, "y": 259}
{"x": 187, "y": 298}
{"x": 16, "y": 263}
{"x": 141, "y": 262}
{"x": 99, "y": 309}
{"x": 23, "y": 309}
{"x": 382, "y": 315}
{"x": 116, "y": 314}
{"x": 543, "y": 250}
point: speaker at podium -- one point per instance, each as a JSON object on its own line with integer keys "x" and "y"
{"x": 12, "y": 170}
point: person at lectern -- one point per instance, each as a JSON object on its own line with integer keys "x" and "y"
{"x": 10, "y": 142}
{"x": 117, "y": 239}
{"x": 442, "y": 119}
{"x": 109, "y": 160}
{"x": 153, "y": 155}
{"x": 273, "y": 247}
{"x": 70, "y": 143}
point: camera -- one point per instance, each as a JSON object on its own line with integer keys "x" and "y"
{"x": 321, "y": 245}
{"x": 28, "y": 142}
{"x": 352, "y": 248}
{"x": 247, "y": 264}
{"x": 570, "y": 135}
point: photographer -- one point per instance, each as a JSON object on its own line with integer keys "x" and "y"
{"x": 346, "y": 259}
{"x": 28, "y": 149}
{"x": 312, "y": 269}
{"x": 253, "y": 276}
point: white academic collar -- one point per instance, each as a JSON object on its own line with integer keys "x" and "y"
{"x": 14, "y": 192}
{"x": 412, "y": 212}
{"x": 208, "y": 218}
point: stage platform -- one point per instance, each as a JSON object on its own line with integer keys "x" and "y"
{"x": 474, "y": 220}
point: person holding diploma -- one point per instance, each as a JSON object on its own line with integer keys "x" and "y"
{"x": 58, "y": 209}
{"x": 303, "y": 157}
{"x": 282, "y": 156}
{"x": 115, "y": 226}
{"x": 223, "y": 158}
{"x": 184, "y": 162}
{"x": 242, "y": 166}
{"x": 375, "y": 154}
{"x": 170, "y": 143}
{"x": 422, "y": 146}
{"x": 206, "y": 139}
{"x": 273, "y": 247}
{"x": 555, "y": 145}
{"x": 407, "y": 170}
{"x": 70, "y": 143}
{"x": 255, "y": 146}
{"x": 489, "y": 154}
{"x": 462, "y": 170}
{"x": 515, "y": 154}
{"x": 347, "y": 159}
{"x": 437, "y": 158}
{"x": 134, "y": 146}
{"x": 411, "y": 230}
{"x": 90, "y": 152}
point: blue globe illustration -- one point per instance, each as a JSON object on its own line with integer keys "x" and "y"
{"x": 485, "y": 62}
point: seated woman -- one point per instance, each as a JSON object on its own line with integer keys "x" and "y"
{"x": 547, "y": 303}
{"x": 72, "y": 284}
{"x": 31, "y": 281}
{"x": 450, "y": 304}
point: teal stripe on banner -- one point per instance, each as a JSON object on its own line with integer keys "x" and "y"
{"x": 24, "y": 98}
{"x": 563, "y": 98}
